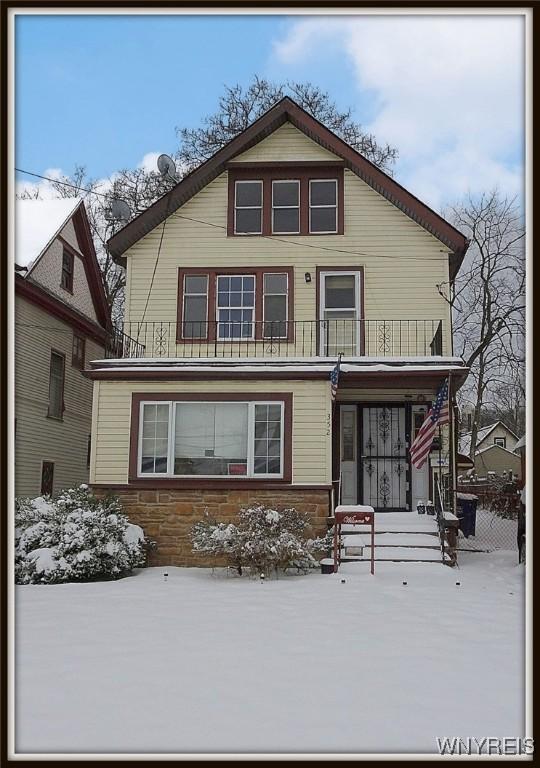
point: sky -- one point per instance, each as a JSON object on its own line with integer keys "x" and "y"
{"x": 108, "y": 92}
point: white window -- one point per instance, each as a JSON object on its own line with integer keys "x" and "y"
{"x": 275, "y": 305}
{"x": 235, "y": 306}
{"x": 211, "y": 439}
{"x": 286, "y": 207}
{"x": 500, "y": 441}
{"x": 195, "y": 307}
{"x": 248, "y": 200}
{"x": 323, "y": 206}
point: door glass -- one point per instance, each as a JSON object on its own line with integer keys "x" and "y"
{"x": 348, "y": 435}
{"x": 340, "y": 329}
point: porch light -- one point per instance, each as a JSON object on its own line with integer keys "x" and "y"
{"x": 307, "y": 277}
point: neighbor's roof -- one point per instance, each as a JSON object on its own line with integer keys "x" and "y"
{"x": 284, "y": 111}
{"x": 37, "y": 222}
{"x": 493, "y": 446}
{"x": 483, "y": 432}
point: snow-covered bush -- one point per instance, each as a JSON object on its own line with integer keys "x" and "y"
{"x": 263, "y": 539}
{"x": 76, "y": 537}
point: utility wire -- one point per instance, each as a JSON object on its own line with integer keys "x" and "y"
{"x": 272, "y": 238}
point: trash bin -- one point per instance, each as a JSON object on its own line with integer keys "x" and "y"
{"x": 327, "y": 565}
{"x": 466, "y": 512}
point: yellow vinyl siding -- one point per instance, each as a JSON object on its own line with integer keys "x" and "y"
{"x": 286, "y": 144}
{"x": 402, "y": 262}
{"x": 39, "y": 438}
{"x": 311, "y": 445}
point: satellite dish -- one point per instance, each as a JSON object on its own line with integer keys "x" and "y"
{"x": 120, "y": 210}
{"x": 167, "y": 167}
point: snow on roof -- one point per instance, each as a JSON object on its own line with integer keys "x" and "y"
{"x": 483, "y": 432}
{"x": 520, "y": 444}
{"x": 495, "y": 445}
{"x": 37, "y": 222}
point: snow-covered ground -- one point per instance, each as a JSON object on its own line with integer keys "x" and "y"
{"x": 208, "y": 663}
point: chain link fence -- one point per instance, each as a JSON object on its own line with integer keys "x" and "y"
{"x": 496, "y": 524}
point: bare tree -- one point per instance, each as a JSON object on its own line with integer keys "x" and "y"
{"x": 239, "y": 107}
{"x": 488, "y": 301}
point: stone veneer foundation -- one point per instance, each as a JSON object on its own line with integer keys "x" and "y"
{"x": 167, "y": 516}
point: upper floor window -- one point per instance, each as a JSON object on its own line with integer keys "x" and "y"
{"x": 77, "y": 352}
{"x": 323, "y": 206}
{"x": 235, "y": 306}
{"x": 68, "y": 264}
{"x": 56, "y": 385}
{"x": 248, "y": 207}
{"x": 286, "y": 207}
{"x": 288, "y": 200}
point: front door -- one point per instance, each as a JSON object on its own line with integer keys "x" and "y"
{"x": 348, "y": 454}
{"x": 384, "y": 457}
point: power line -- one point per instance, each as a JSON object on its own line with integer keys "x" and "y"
{"x": 272, "y": 238}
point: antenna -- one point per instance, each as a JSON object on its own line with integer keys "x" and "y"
{"x": 120, "y": 211}
{"x": 167, "y": 167}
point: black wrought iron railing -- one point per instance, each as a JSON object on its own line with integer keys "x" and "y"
{"x": 289, "y": 339}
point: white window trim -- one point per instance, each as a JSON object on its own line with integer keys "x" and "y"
{"x": 249, "y": 207}
{"x": 226, "y": 339}
{"x": 336, "y": 206}
{"x": 192, "y": 293}
{"x": 357, "y": 308}
{"x": 264, "y": 295}
{"x": 285, "y": 207}
{"x": 250, "y": 440}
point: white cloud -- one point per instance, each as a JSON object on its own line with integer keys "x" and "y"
{"x": 448, "y": 93}
{"x": 149, "y": 161}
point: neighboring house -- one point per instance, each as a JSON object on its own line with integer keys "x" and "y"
{"x": 495, "y": 450}
{"x": 61, "y": 319}
{"x": 244, "y": 284}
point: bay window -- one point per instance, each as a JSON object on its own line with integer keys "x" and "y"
{"x": 187, "y": 438}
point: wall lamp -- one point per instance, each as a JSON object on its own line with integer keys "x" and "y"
{"x": 307, "y": 277}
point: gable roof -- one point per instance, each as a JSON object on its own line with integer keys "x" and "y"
{"x": 481, "y": 435}
{"x": 494, "y": 446}
{"x": 38, "y": 223}
{"x": 287, "y": 110}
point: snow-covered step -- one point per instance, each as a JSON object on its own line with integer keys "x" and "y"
{"x": 392, "y": 540}
{"x": 398, "y": 554}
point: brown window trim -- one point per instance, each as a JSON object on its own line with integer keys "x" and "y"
{"x": 67, "y": 251}
{"x": 78, "y": 362}
{"x": 49, "y": 414}
{"x": 230, "y": 482}
{"x": 212, "y": 273}
{"x": 267, "y": 174}
{"x": 352, "y": 268}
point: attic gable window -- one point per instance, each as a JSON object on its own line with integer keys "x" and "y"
{"x": 285, "y": 200}
{"x": 68, "y": 264}
{"x": 248, "y": 207}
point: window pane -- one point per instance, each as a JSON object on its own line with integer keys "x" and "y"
{"x": 340, "y": 291}
{"x": 248, "y": 220}
{"x": 285, "y": 193}
{"x": 248, "y": 193}
{"x": 275, "y": 316}
{"x": 323, "y": 192}
{"x": 267, "y": 443}
{"x": 323, "y": 220}
{"x": 211, "y": 439}
{"x": 56, "y": 381}
{"x": 155, "y": 442}
{"x": 286, "y": 220}
{"x": 195, "y": 284}
{"x": 275, "y": 283}
{"x": 236, "y": 300}
{"x": 195, "y": 309}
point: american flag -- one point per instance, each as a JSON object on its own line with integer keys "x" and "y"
{"x": 437, "y": 415}
{"x": 334, "y": 378}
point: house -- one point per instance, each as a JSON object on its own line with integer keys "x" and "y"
{"x": 245, "y": 284}
{"x": 495, "y": 450}
{"x": 61, "y": 321}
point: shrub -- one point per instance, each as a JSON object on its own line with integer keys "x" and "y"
{"x": 76, "y": 537}
{"x": 261, "y": 540}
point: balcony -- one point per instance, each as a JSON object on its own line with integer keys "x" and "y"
{"x": 324, "y": 339}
